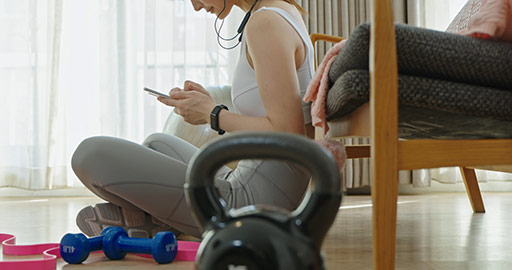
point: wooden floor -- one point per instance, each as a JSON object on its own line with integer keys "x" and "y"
{"x": 437, "y": 231}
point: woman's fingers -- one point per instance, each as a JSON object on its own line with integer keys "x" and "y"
{"x": 193, "y": 106}
{"x": 176, "y": 97}
{"x": 179, "y": 94}
{"x": 167, "y": 101}
{"x": 190, "y": 85}
{"x": 175, "y": 89}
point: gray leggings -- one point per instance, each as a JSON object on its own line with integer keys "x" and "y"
{"x": 151, "y": 176}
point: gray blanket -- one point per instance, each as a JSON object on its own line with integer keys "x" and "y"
{"x": 450, "y": 86}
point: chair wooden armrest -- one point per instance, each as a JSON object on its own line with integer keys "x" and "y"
{"x": 315, "y": 37}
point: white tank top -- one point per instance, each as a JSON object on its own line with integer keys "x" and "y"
{"x": 245, "y": 93}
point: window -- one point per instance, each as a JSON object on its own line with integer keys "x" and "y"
{"x": 74, "y": 69}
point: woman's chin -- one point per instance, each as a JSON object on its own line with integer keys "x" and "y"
{"x": 222, "y": 16}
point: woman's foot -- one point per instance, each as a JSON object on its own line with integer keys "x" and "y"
{"x": 93, "y": 219}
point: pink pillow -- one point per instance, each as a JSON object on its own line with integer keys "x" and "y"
{"x": 494, "y": 20}
{"x": 461, "y": 21}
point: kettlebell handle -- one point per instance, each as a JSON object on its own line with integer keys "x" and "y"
{"x": 318, "y": 209}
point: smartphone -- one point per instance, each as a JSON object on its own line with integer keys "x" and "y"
{"x": 155, "y": 93}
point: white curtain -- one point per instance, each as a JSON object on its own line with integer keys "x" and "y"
{"x": 340, "y": 18}
{"x": 30, "y": 155}
{"x": 72, "y": 69}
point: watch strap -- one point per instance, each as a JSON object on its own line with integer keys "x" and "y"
{"x": 214, "y": 118}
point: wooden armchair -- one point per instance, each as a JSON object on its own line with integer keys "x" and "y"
{"x": 363, "y": 151}
{"x": 389, "y": 155}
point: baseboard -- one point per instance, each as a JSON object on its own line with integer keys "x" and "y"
{"x": 366, "y": 190}
{"x": 65, "y": 192}
{"x": 491, "y": 186}
{"x": 436, "y": 187}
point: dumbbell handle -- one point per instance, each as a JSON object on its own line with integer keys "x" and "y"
{"x": 96, "y": 243}
{"x": 135, "y": 245}
{"x": 163, "y": 246}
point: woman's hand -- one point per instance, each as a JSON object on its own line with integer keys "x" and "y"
{"x": 192, "y": 102}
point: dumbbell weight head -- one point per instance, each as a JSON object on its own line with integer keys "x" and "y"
{"x": 258, "y": 237}
{"x": 76, "y": 247}
{"x": 110, "y": 246}
{"x": 163, "y": 247}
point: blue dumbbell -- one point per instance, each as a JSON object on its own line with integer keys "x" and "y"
{"x": 75, "y": 247}
{"x": 163, "y": 246}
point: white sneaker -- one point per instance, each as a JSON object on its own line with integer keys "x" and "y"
{"x": 93, "y": 219}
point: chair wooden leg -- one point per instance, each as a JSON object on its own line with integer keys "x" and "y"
{"x": 384, "y": 132}
{"x": 473, "y": 190}
{"x": 384, "y": 196}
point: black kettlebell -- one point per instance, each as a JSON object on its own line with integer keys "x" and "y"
{"x": 263, "y": 237}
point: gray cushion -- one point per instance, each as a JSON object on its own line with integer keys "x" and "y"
{"x": 431, "y": 108}
{"x": 428, "y": 53}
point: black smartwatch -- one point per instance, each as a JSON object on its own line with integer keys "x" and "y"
{"x": 214, "y": 118}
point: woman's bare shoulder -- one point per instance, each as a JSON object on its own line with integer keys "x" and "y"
{"x": 269, "y": 25}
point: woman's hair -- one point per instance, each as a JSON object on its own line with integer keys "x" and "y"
{"x": 293, "y": 2}
{"x": 296, "y": 5}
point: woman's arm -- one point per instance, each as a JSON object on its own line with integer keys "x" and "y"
{"x": 272, "y": 45}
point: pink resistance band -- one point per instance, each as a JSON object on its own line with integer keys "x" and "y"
{"x": 187, "y": 251}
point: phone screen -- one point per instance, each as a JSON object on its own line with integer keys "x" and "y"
{"x": 155, "y": 93}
